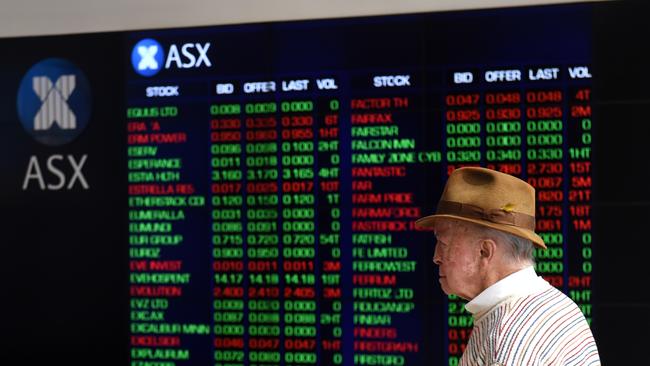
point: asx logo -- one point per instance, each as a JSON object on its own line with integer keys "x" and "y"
{"x": 147, "y": 56}
{"x": 54, "y": 101}
{"x": 54, "y": 108}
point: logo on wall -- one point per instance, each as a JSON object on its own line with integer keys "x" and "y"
{"x": 147, "y": 57}
{"x": 54, "y": 101}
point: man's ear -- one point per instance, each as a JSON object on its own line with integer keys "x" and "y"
{"x": 487, "y": 249}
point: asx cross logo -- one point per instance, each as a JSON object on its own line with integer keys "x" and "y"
{"x": 54, "y": 101}
{"x": 147, "y": 56}
{"x": 55, "y": 108}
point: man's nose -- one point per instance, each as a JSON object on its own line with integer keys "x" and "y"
{"x": 437, "y": 259}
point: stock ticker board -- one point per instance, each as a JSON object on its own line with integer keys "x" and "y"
{"x": 275, "y": 172}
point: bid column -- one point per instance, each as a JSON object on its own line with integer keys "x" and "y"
{"x": 462, "y": 116}
{"x": 227, "y": 233}
{"x": 463, "y": 147}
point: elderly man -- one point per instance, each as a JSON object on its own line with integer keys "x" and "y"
{"x": 484, "y": 226}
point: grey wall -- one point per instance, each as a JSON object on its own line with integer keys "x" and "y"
{"x": 39, "y": 17}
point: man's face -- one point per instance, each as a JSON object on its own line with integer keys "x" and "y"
{"x": 458, "y": 256}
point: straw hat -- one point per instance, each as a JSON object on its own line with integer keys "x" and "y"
{"x": 488, "y": 198}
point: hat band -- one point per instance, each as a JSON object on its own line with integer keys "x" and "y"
{"x": 495, "y": 215}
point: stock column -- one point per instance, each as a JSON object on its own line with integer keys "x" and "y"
{"x": 579, "y": 138}
{"x": 166, "y": 236}
{"x": 384, "y": 267}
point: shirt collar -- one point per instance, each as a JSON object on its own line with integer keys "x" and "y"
{"x": 521, "y": 283}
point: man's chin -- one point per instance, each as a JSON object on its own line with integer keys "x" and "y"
{"x": 448, "y": 291}
{"x": 444, "y": 287}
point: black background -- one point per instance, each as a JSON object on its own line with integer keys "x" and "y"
{"x": 64, "y": 267}
{"x": 64, "y": 258}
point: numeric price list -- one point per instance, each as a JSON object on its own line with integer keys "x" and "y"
{"x": 271, "y": 221}
{"x": 534, "y": 123}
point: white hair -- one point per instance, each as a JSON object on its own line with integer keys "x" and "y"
{"x": 519, "y": 249}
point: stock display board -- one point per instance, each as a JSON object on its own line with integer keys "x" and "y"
{"x": 246, "y": 194}
{"x": 275, "y": 173}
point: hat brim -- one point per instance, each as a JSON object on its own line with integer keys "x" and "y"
{"x": 427, "y": 222}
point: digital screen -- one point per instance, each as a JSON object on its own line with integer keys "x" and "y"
{"x": 273, "y": 187}
{"x": 247, "y": 194}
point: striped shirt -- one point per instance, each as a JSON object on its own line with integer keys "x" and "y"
{"x": 523, "y": 320}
